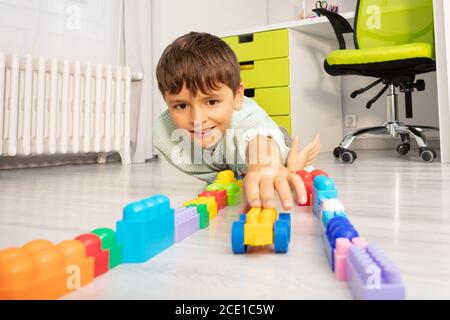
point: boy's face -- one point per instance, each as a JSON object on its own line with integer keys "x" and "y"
{"x": 205, "y": 116}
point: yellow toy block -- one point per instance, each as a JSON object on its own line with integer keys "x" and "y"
{"x": 225, "y": 177}
{"x": 258, "y": 229}
{"x": 210, "y": 204}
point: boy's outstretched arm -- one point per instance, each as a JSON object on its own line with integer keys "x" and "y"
{"x": 267, "y": 174}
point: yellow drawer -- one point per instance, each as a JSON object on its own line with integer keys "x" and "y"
{"x": 260, "y": 45}
{"x": 276, "y": 101}
{"x": 283, "y": 121}
{"x": 265, "y": 73}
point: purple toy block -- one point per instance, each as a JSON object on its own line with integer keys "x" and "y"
{"x": 186, "y": 222}
{"x": 372, "y": 276}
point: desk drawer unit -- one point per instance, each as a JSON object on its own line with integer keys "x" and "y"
{"x": 260, "y": 45}
{"x": 276, "y": 101}
{"x": 264, "y": 61}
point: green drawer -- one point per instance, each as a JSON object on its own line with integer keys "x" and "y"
{"x": 266, "y": 73}
{"x": 276, "y": 101}
{"x": 260, "y": 45}
{"x": 283, "y": 121}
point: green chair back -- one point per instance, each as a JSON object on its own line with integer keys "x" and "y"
{"x": 381, "y": 23}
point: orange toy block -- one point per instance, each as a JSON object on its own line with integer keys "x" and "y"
{"x": 42, "y": 271}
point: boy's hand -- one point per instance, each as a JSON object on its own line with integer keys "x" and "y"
{"x": 261, "y": 182}
{"x": 299, "y": 160}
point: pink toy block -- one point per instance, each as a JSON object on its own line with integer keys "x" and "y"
{"x": 187, "y": 222}
{"x": 341, "y": 255}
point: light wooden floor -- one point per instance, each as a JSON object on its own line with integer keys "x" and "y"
{"x": 400, "y": 205}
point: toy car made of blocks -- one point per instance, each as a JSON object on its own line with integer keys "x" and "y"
{"x": 260, "y": 227}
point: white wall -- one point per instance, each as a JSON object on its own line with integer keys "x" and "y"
{"x": 178, "y": 17}
{"x": 288, "y": 10}
{"x": 85, "y": 30}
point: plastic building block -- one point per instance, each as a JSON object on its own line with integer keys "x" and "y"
{"x": 93, "y": 246}
{"x": 225, "y": 177}
{"x": 308, "y": 181}
{"x": 337, "y": 227}
{"x": 323, "y": 188}
{"x": 318, "y": 172}
{"x": 108, "y": 239}
{"x": 281, "y": 236}
{"x": 226, "y": 181}
{"x": 260, "y": 227}
{"x": 210, "y": 203}
{"x": 219, "y": 195}
{"x": 237, "y": 237}
{"x": 341, "y": 255}
{"x": 329, "y": 208}
{"x": 202, "y": 211}
{"x": 372, "y": 276}
{"x": 147, "y": 228}
{"x": 41, "y": 270}
{"x": 233, "y": 193}
{"x": 187, "y": 222}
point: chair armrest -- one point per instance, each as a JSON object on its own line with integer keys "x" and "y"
{"x": 339, "y": 24}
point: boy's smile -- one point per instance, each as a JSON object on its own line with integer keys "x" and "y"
{"x": 206, "y": 116}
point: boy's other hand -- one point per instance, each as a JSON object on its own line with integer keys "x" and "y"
{"x": 260, "y": 184}
{"x": 299, "y": 159}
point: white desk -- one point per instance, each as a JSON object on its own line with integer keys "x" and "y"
{"x": 315, "y": 38}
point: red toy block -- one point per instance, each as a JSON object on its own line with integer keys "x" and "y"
{"x": 219, "y": 195}
{"x": 93, "y": 246}
{"x": 308, "y": 181}
{"x": 318, "y": 172}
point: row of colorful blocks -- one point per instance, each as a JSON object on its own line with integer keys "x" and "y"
{"x": 366, "y": 269}
{"x": 42, "y": 270}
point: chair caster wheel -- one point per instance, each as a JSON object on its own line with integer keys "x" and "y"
{"x": 348, "y": 156}
{"x": 337, "y": 152}
{"x": 427, "y": 154}
{"x": 403, "y": 148}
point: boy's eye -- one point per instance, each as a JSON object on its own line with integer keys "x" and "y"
{"x": 181, "y": 106}
{"x": 212, "y": 102}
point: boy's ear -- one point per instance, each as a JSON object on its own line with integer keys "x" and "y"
{"x": 239, "y": 97}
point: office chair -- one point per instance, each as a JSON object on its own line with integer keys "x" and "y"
{"x": 394, "y": 41}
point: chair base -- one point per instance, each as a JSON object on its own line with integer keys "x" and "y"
{"x": 395, "y": 129}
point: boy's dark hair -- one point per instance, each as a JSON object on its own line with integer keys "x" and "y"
{"x": 200, "y": 61}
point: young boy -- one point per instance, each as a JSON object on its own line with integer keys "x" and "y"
{"x": 211, "y": 126}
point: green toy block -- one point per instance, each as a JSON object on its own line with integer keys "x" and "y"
{"x": 215, "y": 186}
{"x": 108, "y": 238}
{"x": 233, "y": 193}
{"x": 202, "y": 211}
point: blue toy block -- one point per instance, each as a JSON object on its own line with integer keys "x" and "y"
{"x": 337, "y": 227}
{"x": 373, "y": 276}
{"x": 328, "y": 215}
{"x": 323, "y": 188}
{"x": 147, "y": 228}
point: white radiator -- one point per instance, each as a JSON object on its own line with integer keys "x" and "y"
{"x": 59, "y": 107}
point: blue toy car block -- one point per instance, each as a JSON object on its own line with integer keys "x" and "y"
{"x": 372, "y": 276}
{"x": 323, "y": 188}
{"x": 147, "y": 228}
